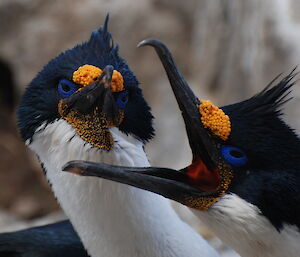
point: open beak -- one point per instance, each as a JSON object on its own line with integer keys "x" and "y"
{"x": 199, "y": 139}
{"x": 200, "y": 184}
{"x": 172, "y": 184}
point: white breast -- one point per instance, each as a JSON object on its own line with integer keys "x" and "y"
{"x": 113, "y": 220}
{"x": 242, "y": 226}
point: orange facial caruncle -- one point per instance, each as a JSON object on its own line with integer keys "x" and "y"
{"x": 87, "y": 74}
{"x": 214, "y": 119}
{"x": 218, "y": 179}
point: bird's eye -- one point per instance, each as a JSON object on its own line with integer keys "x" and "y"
{"x": 122, "y": 99}
{"x": 66, "y": 88}
{"x": 234, "y": 156}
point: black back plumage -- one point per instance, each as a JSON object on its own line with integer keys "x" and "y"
{"x": 58, "y": 239}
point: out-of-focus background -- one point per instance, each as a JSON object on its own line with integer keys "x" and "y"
{"x": 228, "y": 50}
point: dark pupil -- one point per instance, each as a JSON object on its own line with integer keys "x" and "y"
{"x": 236, "y": 154}
{"x": 65, "y": 88}
{"x": 124, "y": 98}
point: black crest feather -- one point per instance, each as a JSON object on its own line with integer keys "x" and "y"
{"x": 257, "y": 122}
{"x": 268, "y": 101}
{"x": 101, "y": 40}
{"x": 272, "y": 179}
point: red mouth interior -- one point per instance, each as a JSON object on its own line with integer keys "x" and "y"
{"x": 203, "y": 178}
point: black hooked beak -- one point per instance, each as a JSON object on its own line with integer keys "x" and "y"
{"x": 172, "y": 184}
{"x": 201, "y": 143}
{"x": 96, "y": 95}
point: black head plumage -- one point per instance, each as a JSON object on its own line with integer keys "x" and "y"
{"x": 101, "y": 40}
{"x": 271, "y": 178}
{"x": 40, "y": 100}
{"x": 258, "y": 128}
{"x": 99, "y": 51}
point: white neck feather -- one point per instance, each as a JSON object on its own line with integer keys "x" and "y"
{"x": 113, "y": 220}
{"x": 242, "y": 226}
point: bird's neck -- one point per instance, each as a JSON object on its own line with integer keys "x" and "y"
{"x": 241, "y": 225}
{"x": 113, "y": 219}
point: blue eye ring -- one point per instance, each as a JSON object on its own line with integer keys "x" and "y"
{"x": 122, "y": 99}
{"x": 234, "y": 156}
{"x": 66, "y": 88}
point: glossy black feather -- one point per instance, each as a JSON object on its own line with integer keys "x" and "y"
{"x": 54, "y": 240}
{"x": 258, "y": 129}
{"x": 40, "y": 100}
{"x": 271, "y": 179}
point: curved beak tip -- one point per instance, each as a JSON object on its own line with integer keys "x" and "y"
{"x": 143, "y": 43}
{"x": 140, "y": 44}
{"x": 108, "y": 69}
{"x": 106, "y": 76}
{"x": 73, "y": 167}
{"x": 150, "y": 42}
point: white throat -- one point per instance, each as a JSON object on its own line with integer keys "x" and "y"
{"x": 112, "y": 219}
{"x": 242, "y": 226}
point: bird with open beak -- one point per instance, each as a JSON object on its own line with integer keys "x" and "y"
{"x": 244, "y": 179}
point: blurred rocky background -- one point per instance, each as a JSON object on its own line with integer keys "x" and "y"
{"x": 228, "y": 50}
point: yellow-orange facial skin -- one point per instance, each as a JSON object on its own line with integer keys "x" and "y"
{"x": 93, "y": 127}
{"x": 222, "y": 175}
{"x": 88, "y": 74}
{"x": 214, "y": 119}
{"x": 219, "y": 179}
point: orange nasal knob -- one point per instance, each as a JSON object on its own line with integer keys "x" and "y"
{"x": 87, "y": 74}
{"x": 214, "y": 119}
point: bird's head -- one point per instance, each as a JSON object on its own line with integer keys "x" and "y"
{"x": 243, "y": 148}
{"x": 92, "y": 89}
